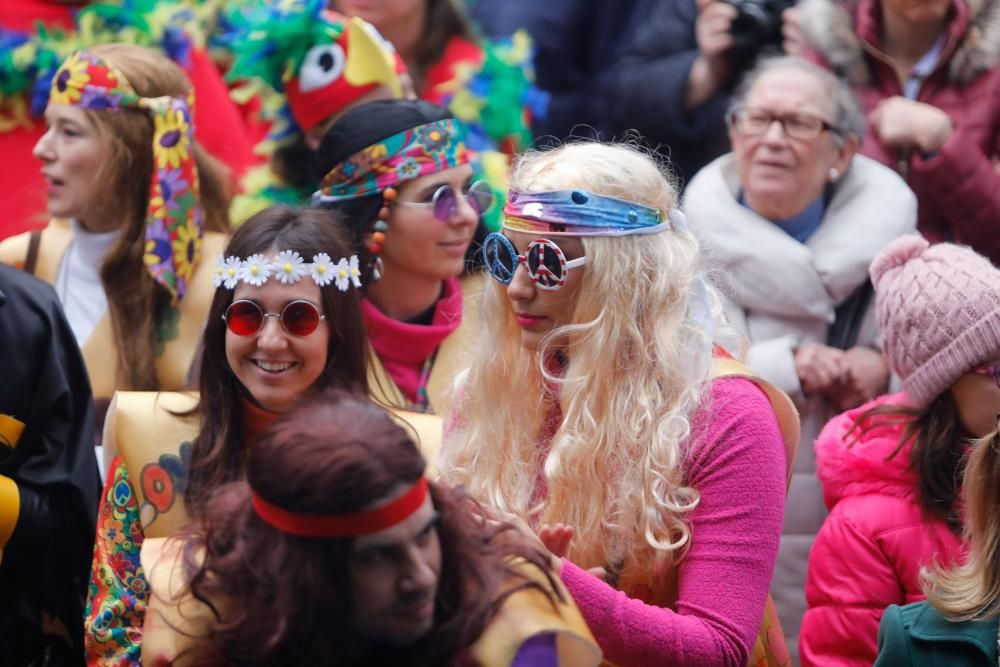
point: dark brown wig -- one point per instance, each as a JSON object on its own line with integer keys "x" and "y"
{"x": 939, "y": 445}
{"x": 136, "y": 302}
{"x": 218, "y": 453}
{"x": 286, "y": 600}
{"x": 363, "y": 126}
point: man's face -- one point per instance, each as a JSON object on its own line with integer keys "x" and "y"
{"x": 394, "y": 578}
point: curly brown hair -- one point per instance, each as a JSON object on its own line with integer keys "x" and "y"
{"x": 338, "y": 452}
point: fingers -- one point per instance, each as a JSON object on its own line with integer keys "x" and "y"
{"x": 556, "y": 538}
{"x": 819, "y": 366}
{"x": 712, "y": 29}
{"x": 793, "y": 40}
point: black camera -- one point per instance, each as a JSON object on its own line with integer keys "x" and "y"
{"x": 756, "y": 27}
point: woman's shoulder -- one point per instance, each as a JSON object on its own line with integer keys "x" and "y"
{"x": 176, "y": 622}
{"x": 868, "y": 193}
{"x": 917, "y": 634}
{"x": 543, "y": 607}
{"x": 14, "y": 249}
{"x": 737, "y": 415}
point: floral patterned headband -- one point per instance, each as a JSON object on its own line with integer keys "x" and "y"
{"x": 287, "y": 267}
{"x": 579, "y": 213}
{"x": 173, "y": 219}
{"x": 425, "y": 149}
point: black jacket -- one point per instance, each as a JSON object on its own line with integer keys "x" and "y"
{"x": 647, "y": 91}
{"x": 44, "y": 385}
{"x": 577, "y": 43}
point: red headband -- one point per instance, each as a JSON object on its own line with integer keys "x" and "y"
{"x": 343, "y": 525}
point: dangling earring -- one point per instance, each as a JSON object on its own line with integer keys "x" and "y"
{"x": 834, "y": 174}
{"x": 382, "y": 224}
{"x": 378, "y": 236}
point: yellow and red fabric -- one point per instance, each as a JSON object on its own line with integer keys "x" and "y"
{"x": 173, "y": 219}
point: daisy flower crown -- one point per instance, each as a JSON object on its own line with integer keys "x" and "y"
{"x": 287, "y": 267}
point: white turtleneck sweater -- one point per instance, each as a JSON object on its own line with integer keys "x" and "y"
{"x": 78, "y": 282}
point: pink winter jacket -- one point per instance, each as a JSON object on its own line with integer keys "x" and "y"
{"x": 870, "y": 550}
{"x": 958, "y": 189}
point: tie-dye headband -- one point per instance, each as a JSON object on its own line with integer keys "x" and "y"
{"x": 425, "y": 149}
{"x": 579, "y": 213}
{"x": 173, "y": 219}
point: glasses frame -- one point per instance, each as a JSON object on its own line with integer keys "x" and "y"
{"x": 734, "y": 115}
{"x": 991, "y": 370}
{"x": 479, "y": 187}
{"x": 281, "y": 317}
{"x": 539, "y": 276}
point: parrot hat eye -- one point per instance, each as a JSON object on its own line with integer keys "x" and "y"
{"x": 322, "y": 66}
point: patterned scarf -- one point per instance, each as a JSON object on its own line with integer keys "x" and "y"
{"x": 173, "y": 219}
{"x": 425, "y": 149}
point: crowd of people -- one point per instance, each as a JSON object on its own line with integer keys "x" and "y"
{"x": 499, "y": 333}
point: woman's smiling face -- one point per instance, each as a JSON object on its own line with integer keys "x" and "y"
{"x": 275, "y": 366}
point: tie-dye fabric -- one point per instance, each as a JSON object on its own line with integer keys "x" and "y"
{"x": 579, "y": 213}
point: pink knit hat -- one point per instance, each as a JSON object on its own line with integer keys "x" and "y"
{"x": 939, "y": 311}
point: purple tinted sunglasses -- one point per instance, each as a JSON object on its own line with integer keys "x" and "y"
{"x": 444, "y": 202}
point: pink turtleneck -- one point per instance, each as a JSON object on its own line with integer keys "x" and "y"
{"x": 402, "y": 347}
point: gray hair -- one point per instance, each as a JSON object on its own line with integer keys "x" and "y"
{"x": 847, "y": 116}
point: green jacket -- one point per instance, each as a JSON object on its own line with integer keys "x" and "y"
{"x": 918, "y": 635}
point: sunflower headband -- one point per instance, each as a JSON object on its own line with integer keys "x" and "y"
{"x": 287, "y": 267}
{"x": 173, "y": 219}
{"x": 425, "y": 149}
{"x": 580, "y": 213}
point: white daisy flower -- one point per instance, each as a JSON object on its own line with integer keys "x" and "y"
{"x": 255, "y": 270}
{"x": 342, "y": 274}
{"x": 288, "y": 266}
{"x": 355, "y": 271}
{"x": 231, "y": 272}
{"x": 218, "y": 273}
{"x": 322, "y": 269}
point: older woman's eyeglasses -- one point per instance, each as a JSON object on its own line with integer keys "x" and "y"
{"x": 992, "y": 371}
{"x": 802, "y": 125}
{"x": 444, "y": 201}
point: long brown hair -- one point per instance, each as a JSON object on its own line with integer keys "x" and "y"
{"x": 939, "y": 445}
{"x": 218, "y": 453}
{"x": 136, "y": 302}
{"x": 286, "y": 600}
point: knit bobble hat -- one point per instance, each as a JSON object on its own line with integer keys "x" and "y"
{"x": 939, "y": 311}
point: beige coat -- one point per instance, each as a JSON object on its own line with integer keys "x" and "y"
{"x": 782, "y": 293}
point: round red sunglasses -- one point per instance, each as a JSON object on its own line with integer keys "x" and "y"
{"x": 299, "y": 318}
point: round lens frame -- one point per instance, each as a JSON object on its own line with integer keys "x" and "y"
{"x": 298, "y": 318}
{"x": 545, "y": 261}
{"x": 445, "y": 204}
{"x": 244, "y": 317}
{"x": 500, "y": 257}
